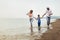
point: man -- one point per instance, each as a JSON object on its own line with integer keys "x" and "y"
{"x": 48, "y": 13}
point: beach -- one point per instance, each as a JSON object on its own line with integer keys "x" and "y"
{"x": 14, "y": 33}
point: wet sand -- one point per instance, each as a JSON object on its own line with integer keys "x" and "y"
{"x": 52, "y": 34}
{"x": 19, "y": 37}
{"x": 25, "y": 36}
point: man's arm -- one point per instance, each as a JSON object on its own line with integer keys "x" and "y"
{"x": 44, "y": 15}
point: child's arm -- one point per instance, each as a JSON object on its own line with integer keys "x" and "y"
{"x": 35, "y": 18}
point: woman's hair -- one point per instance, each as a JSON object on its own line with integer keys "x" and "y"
{"x": 48, "y": 8}
{"x": 31, "y": 11}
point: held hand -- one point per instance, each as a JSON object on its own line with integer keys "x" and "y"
{"x": 27, "y": 14}
{"x": 41, "y": 17}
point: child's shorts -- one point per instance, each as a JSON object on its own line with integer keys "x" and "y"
{"x": 39, "y": 23}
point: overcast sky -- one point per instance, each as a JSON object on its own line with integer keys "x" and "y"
{"x": 19, "y": 8}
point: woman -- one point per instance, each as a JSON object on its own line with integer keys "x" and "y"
{"x": 30, "y": 14}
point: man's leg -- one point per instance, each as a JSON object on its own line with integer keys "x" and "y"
{"x": 48, "y": 22}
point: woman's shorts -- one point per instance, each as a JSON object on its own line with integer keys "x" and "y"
{"x": 31, "y": 20}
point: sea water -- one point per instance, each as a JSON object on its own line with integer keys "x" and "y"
{"x": 12, "y": 26}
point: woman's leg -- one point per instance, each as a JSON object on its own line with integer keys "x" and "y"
{"x": 31, "y": 28}
{"x": 31, "y": 25}
{"x": 39, "y": 27}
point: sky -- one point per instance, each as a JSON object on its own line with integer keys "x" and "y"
{"x": 19, "y": 8}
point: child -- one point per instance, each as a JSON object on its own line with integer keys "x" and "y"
{"x": 30, "y": 14}
{"x": 39, "y": 22}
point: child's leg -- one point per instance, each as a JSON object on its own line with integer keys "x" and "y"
{"x": 39, "y": 27}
